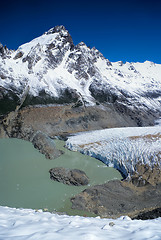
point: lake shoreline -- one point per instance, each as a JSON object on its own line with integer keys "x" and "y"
{"x": 60, "y": 121}
{"x": 25, "y": 178}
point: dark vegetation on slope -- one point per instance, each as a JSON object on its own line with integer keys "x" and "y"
{"x": 66, "y": 96}
{"x": 8, "y": 101}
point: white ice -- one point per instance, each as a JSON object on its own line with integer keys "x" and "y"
{"x": 121, "y": 148}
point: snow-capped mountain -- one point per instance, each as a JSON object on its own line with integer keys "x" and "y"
{"x": 51, "y": 69}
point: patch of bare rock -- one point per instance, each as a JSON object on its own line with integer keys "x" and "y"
{"x": 145, "y": 175}
{"x": 117, "y": 198}
{"x": 67, "y": 176}
{"x": 45, "y": 145}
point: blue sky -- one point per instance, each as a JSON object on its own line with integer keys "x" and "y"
{"x": 121, "y": 30}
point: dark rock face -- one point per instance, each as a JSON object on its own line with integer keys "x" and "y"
{"x": 51, "y": 60}
{"x": 116, "y": 198}
{"x": 18, "y": 55}
{"x": 8, "y": 100}
{"x": 66, "y": 95}
{"x": 63, "y": 33}
{"x": 1, "y": 50}
{"x": 46, "y": 145}
{"x": 155, "y": 213}
{"x": 102, "y": 93}
{"x": 31, "y": 58}
{"x": 67, "y": 176}
{"x": 4, "y": 51}
{"x": 139, "y": 181}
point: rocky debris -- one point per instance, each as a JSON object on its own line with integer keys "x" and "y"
{"x": 116, "y": 198}
{"x": 58, "y": 120}
{"x": 67, "y": 176}
{"x": 46, "y": 145}
{"x": 145, "y": 175}
{"x": 11, "y": 126}
{"x": 65, "y": 119}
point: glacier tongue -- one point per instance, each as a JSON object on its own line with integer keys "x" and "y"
{"x": 121, "y": 148}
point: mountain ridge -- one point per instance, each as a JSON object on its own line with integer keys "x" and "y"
{"x": 57, "y": 71}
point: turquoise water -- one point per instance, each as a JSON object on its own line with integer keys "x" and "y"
{"x": 25, "y": 180}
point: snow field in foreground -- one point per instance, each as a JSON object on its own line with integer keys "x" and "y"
{"x": 27, "y": 224}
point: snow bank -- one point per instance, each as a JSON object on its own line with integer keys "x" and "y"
{"x": 27, "y": 224}
{"x": 121, "y": 148}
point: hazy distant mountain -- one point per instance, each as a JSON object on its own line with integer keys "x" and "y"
{"x": 51, "y": 69}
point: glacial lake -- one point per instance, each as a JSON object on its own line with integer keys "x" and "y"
{"x": 25, "y": 180}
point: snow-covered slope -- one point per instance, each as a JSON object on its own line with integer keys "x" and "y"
{"x": 27, "y": 224}
{"x": 52, "y": 68}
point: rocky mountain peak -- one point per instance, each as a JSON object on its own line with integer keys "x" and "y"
{"x": 62, "y": 33}
{"x": 3, "y": 50}
{"x": 56, "y": 71}
{"x": 81, "y": 44}
{"x": 63, "y": 36}
{"x": 49, "y": 48}
{"x": 57, "y": 29}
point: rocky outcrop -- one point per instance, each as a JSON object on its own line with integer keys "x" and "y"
{"x": 151, "y": 214}
{"x": 117, "y": 198}
{"x": 67, "y": 176}
{"x": 3, "y": 51}
{"x": 18, "y": 55}
{"x": 45, "y": 145}
{"x": 145, "y": 175}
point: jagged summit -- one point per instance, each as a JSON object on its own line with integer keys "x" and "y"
{"x": 62, "y": 31}
{"x": 57, "y": 29}
{"x": 4, "y": 51}
{"x": 81, "y": 44}
{"x": 56, "y": 71}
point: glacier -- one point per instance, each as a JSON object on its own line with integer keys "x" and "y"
{"x": 121, "y": 148}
